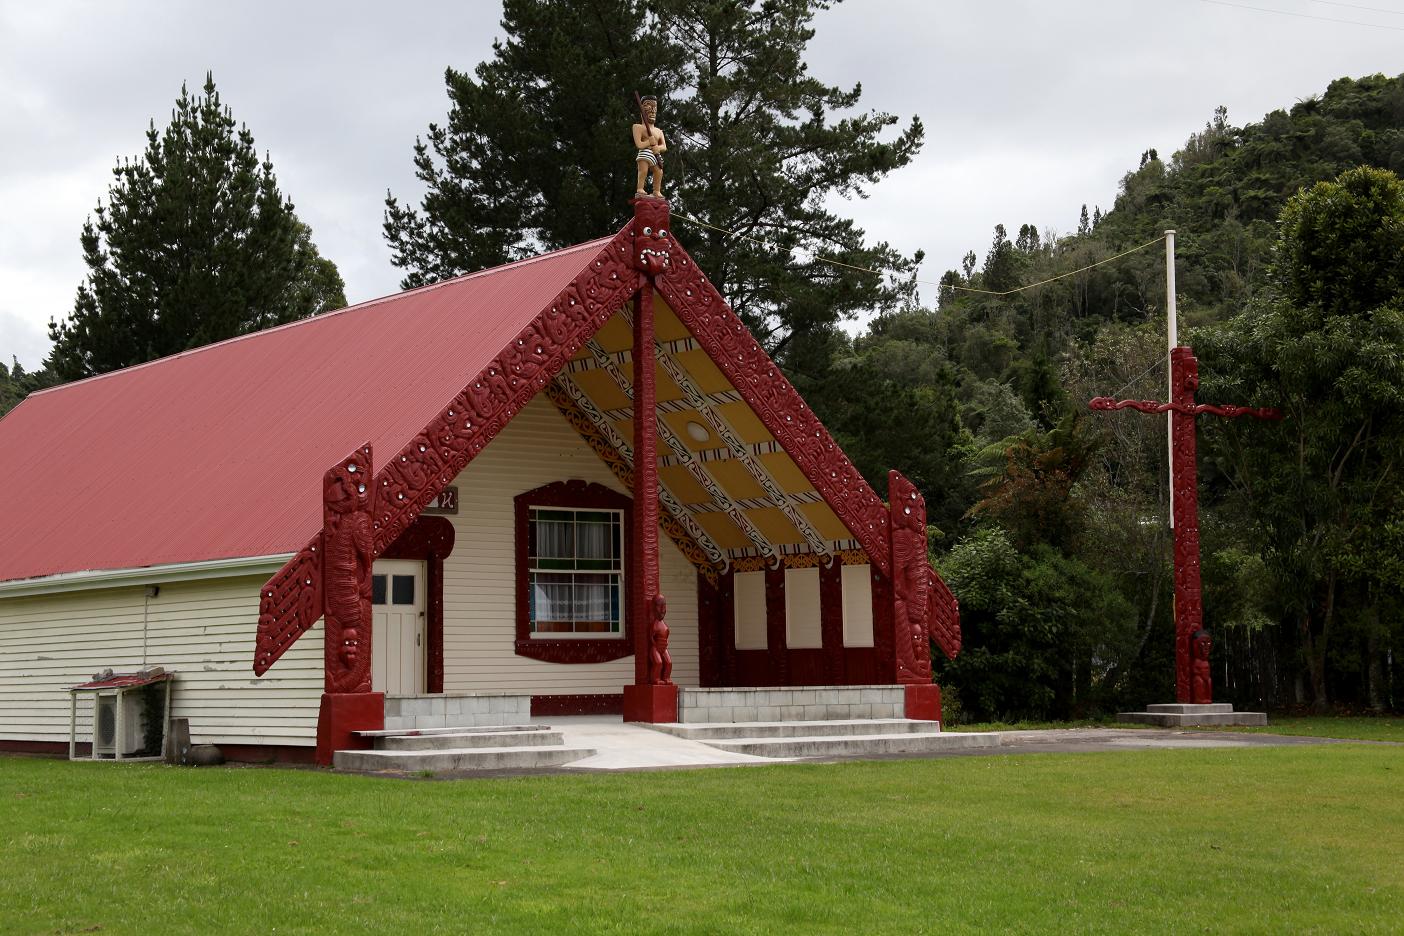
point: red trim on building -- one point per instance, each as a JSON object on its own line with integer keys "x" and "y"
{"x": 579, "y": 494}
{"x": 546, "y": 706}
{"x": 884, "y": 646}
{"x": 777, "y": 647}
{"x": 268, "y": 754}
{"x": 711, "y": 648}
{"x": 429, "y": 539}
{"x": 237, "y": 753}
{"x": 831, "y": 621}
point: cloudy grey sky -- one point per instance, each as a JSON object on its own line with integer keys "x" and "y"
{"x": 1032, "y": 108}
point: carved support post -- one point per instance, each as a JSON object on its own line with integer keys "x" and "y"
{"x": 348, "y": 705}
{"x": 653, "y": 697}
{"x": 645, "y": 533}
{"x": 1189, "y": 609}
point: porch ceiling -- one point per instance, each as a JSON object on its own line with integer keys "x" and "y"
{"x": 725, "y": 482}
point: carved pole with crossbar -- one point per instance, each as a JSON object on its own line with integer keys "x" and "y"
{"x": 1190, "y": 686}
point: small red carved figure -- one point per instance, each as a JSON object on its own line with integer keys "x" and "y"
{"x": 651, "y": 146}
{"x": 1203, "y": 687}
{"x": 660, "y": 663}
{"x": 346, "y": 574}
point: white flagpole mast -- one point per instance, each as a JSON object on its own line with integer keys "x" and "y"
{"x": 1172, "y": 335}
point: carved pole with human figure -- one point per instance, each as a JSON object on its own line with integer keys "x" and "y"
{"x": 1193, "y": 683}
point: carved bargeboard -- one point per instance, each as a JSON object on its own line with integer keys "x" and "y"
{"x": 911, "y": 580}
{"x": 415, "y": 475}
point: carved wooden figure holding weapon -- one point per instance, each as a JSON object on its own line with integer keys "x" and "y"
{"x": 651, "y": 145}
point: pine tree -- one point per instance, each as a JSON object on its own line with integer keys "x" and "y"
{"x": 536, "y": 154}
{"x": 765, "y": 149}
{"x": 196, "y": 244}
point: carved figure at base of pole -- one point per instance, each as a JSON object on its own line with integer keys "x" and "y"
{"x": 650, "y": 145}
{"x": 660, "y": 663}
{"x": 1201, "y": 681}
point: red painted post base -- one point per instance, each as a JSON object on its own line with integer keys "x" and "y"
{"x": 652, "y": 704}
{"x": 924, "y": 702}
{"x": 343, "y": 713}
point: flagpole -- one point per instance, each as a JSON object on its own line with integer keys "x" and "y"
{"x": 1173, "y": 339}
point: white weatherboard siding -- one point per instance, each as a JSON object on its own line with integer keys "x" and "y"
{"x": 204, "y": 630}
{"x": 537, "y": 447}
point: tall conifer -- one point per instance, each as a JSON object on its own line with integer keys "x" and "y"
{"x": 195, "y": 244}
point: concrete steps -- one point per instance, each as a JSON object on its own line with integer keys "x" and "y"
{"x": 469, "y": 748}
{"x": 837, "y": 738}
{"x": 1185, "y": 715}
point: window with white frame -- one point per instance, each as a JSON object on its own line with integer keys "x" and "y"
{"x": 575, "y": 563}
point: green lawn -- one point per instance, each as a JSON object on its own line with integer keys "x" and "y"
{"x": 1353, "y": 727}
{"x": 1363, "y": 728}
{"x": 1303, "y": 839}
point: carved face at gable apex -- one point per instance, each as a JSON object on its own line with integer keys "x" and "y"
{"x": 652, "y": 239}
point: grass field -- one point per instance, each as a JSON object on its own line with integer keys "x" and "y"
{"x": 1352, "y": 727}
{"x": 1273, "y": 840}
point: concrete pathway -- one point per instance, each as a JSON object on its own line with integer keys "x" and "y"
{"x": 621, "y": 746}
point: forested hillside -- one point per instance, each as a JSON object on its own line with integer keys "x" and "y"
{"x": 1050, "y": 520}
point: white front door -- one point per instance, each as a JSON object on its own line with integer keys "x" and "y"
{"x": 398, "y": 627}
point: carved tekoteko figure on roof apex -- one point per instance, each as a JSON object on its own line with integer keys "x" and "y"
{"x": 649, "y": 146}
{"x": 346, "y": 572}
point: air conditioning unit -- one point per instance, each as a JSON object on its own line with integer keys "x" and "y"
{"x": 105, "y": 740}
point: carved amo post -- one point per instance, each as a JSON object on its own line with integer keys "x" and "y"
{"x": 348, "y": 705}
{"x": 911, "y": 598}
{"x": 653, "y": 697}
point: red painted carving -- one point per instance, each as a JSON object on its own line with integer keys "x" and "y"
{"x": 347, "y": 502}
{"x": 776, "y": 403}
{"x": 911, "y": 580}
{"x": 291, "y": 602}
{"x": 653, "y": 241}
{"x": 429, "y": 539}
{"x": 414, "y": 476}
{"x": 1189, "y": 610}
{"x": 943, "y": 616}
{"x": 660, "y": 662}
{"x": 1202, "y": 684}
{"x": 574, "y": 493}
{"x": 643, "y": 583}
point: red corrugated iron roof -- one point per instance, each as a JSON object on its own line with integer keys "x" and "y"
{"x": 124, "y": 681}
{"x": 208, "y": 454}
